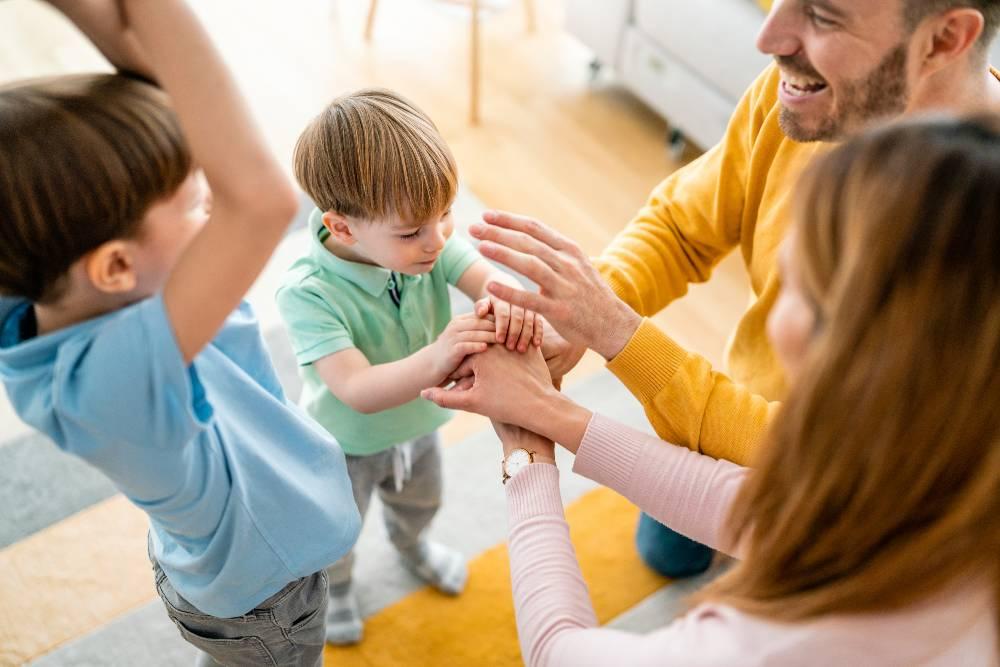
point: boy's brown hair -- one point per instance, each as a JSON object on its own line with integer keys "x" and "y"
{"x": 372, "y": 155}
{"x": 82, "y": 158}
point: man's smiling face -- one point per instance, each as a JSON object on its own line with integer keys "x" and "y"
{"x": 843, "y": 64}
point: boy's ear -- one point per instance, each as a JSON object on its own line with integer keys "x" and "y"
{"x": 339, "y": 228}
{"x": 111, "y": 268}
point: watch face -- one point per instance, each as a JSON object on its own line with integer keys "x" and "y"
{"x": 515, "y": 461}
{"x": 518, "y": 457}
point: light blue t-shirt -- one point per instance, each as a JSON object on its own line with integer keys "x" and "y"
{"x": 244, "y": 492}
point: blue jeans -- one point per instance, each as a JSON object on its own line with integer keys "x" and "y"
{"x": 668, "y": 552}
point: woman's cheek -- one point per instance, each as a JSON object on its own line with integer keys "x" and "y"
{"x": 789, "y": 329}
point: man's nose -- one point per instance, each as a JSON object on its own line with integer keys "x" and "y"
{"x": 779, "y": 36}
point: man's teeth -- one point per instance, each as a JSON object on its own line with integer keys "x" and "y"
{"x": 802, "y": 86}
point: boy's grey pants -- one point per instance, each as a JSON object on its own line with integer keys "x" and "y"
{"x": 286, "y": 630}
{"x": 408, "y": 479}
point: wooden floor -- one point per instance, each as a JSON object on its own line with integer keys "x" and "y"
{"x": 579, "y": 156}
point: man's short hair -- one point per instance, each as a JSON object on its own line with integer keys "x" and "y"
{"x": 916, "y": 11}
{"x": 82, "y": 159}
{"x": 372, "y": 155}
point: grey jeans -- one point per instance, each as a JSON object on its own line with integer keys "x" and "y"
{"x": 285, "y": 630}
{"x": 408, "y": 479}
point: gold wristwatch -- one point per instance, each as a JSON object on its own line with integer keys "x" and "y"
{"x": 515, "y": 462}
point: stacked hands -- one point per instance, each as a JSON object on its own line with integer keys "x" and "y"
{"x": 538, "y": 336}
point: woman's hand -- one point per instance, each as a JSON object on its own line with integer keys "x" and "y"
{"x": 501, "y": 384}
{"x": 573, "y": 297}
{"x": 514, "y": 388}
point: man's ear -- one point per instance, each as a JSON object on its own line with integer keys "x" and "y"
{"x": 111, "y": 267}
{"x": 339, "y": 228}
{"x": 949, "y": 37}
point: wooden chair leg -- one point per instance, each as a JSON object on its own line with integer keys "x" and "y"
{"x": 370, "y": 23}
{"x": 474, "y": 65}
{"x": 529, "y": 15}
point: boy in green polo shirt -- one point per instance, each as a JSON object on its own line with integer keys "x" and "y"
{"x": 369, "y": 316}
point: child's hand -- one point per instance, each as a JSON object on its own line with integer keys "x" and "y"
{"x": 515, "y": 326}
{"x": 466, "y": 334}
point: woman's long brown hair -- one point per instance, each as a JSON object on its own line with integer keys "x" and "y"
{"x": 880, "y": 483}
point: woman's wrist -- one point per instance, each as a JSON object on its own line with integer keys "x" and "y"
{"x": 558, "y": 418}
{"x": 542, "y": 449}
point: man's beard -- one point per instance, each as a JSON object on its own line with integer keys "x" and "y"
{"x": 881, "y": 94}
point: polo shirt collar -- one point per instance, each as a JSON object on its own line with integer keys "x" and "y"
{"x": 370, "y": 278}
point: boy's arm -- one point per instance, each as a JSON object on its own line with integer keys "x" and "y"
{"x": 102, "y": 22}
{"x": 253, "y": 202}
{"x": 367, "y": 389}
{"x": 473, "y": 282}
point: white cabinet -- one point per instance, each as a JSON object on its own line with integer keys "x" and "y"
{"x": 690, "y": 60}
{"x": 600, "y": 25}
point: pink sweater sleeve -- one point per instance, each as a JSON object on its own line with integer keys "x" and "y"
{"x": 555, "y": 619}
{"x": 687, "y": 491}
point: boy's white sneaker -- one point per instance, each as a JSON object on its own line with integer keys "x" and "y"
{"x": 343, "y": 616}
{"x": 440, "y": 566}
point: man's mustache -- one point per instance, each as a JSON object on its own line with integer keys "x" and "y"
{"x": 798, "y": 66}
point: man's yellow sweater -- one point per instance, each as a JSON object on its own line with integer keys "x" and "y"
{"x": 736, "y": 195}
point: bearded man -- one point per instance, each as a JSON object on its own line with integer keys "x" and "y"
{"x": 840, "y": 67}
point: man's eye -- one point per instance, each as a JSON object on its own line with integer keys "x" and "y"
{"x": 819, "y": 21}
{"x": 411, "y": 235}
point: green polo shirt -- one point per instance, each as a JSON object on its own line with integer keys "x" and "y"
{"x": 330, "y": 304}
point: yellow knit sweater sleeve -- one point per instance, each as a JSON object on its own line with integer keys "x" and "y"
{"x": 691, "y": 221}
{"x": 688, "y": 403}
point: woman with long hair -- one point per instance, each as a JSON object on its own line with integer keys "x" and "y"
{"x": 868, "y": 531}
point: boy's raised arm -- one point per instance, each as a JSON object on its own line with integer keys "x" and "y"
{"x": 102, "y": 22}
{"x": 253, "y": 201}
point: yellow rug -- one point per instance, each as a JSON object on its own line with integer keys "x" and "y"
{"x": 477, "y": 628}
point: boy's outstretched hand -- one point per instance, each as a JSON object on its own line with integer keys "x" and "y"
{"x": 466, "y": 334}
{"x": 516, "y": 327}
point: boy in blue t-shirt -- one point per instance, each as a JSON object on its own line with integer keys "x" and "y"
{"x": 369, "y": 316}
{"x": 123, "y": 337}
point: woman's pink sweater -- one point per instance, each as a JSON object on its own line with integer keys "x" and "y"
{"x": 692, "y": 494}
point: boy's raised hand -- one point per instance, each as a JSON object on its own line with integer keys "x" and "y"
{"x": 465, "y": 335}
{"x": 516, "y": 327}
{"x": 103, "y": 22}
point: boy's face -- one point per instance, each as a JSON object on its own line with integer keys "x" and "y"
{"x": 398, "y": 245}
{"x": 167, "y": 228}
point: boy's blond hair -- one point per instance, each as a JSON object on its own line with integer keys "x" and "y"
{"x": 373, "y": 155}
